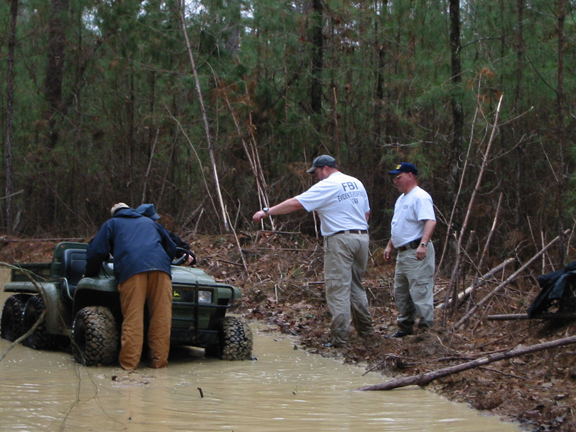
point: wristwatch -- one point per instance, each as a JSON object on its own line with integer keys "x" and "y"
{"x": 265, "y": 210}
{"x": 424, "y": 244}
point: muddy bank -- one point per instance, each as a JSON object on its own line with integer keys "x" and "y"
{"x": 282, "y": 281}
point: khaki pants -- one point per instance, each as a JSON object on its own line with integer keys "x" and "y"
{"x": 345, "y": 259}
{"x": 414, "y": 289}
{"x": 154, "y": 288}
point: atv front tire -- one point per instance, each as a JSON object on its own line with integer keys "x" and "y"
{"x": 11, "y": 326}
{"x": 40, "y": 338}
{"x": 95, "y": 336}
{"x": 235, "y": 340}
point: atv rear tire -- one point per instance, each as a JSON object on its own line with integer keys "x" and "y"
{"x": 40, "y": 338}
{"x": 235, "y": 340}
{"x": 95, "y": 336}
{"x": 11, "y": 326}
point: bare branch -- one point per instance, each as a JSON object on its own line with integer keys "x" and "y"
{"x": 426, "y": 378}
{"x": 506, "y": 282}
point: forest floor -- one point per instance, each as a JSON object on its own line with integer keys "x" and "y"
{"x": 281, "y": 278}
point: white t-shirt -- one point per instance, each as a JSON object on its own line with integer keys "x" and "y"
{"x": 410, "y": 213}
{"x": 341, "y": 202}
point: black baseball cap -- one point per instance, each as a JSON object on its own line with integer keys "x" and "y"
{"x": 404, "y": 167}
{"x": 322, "y": 161}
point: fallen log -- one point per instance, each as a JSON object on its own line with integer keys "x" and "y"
{"x": 507, "y": 317}
{"x": 426, "y": 378}
{"x": 279, "y": 232}
{"x": 48, "y": 240}
{"x": 542, "y": 316}
{"x": 230, "y": 262}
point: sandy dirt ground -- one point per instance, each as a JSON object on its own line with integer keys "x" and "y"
{"x": 282, "y": 282}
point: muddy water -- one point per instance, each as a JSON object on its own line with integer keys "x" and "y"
{"x": 284, "y": 390}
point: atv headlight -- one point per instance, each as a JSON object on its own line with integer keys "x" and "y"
{"x": 204, "y": 296}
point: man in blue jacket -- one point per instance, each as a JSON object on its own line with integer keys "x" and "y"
{"x": 142, "y": 252}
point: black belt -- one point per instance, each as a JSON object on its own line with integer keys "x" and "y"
{"x": 352, "y": 232}
{"x": 412, "y": 245}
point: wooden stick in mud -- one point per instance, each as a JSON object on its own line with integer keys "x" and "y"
{"x": 238, "y": 244}
{"x": 484, "y": 251}
{"x": 205, "y": 121}
{"x": 426, "y": 378}
{"x": 254, "y": 161}
{"x": 452, "y": 287}
{"x": 479, "y": 282}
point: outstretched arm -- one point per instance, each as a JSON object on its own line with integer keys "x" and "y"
{"x": 288, "y": 206}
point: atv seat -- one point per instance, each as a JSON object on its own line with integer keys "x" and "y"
{"x": 73, "y": 268}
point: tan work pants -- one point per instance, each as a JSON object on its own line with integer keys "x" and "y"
{"x": 345, "y": 260}
{"x": 414, "y": 289}
{"x": 155, "y": 288}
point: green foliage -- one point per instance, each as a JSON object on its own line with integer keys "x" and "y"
{"x": 130, "y": 126}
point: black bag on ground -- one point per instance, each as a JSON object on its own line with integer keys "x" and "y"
{"x": 553, "y": 286}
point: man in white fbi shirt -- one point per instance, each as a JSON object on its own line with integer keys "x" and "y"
{"x": 413, "y": 224}
{"x": 342, "y": 205}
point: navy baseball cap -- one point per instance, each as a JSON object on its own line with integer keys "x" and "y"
{"x": 322, "y": 161}
{"x": 404, "y": 167}
{"x": 148, "y": 210}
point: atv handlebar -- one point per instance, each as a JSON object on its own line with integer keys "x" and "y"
{"x": 184, "y": 257}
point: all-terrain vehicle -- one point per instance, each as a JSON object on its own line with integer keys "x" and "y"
{"x": 85, "y": 312}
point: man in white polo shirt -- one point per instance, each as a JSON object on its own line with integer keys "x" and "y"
{"x": 413, "y": 224}
{"x": 342, "y": 205}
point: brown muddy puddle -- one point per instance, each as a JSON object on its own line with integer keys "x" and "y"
{"x": 284, "y": 390}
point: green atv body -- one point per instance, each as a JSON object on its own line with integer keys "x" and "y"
{"x": 85, "y": 311}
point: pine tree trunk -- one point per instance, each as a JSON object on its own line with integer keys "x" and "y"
{"x": 55, "y": 67}
{"x": 317, "y": 58}
{"x": 562, "y": 154}
{"x": 10, "y": 111}
{"x": 457, "y": 110}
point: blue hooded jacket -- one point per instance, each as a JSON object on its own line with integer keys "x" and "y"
{"x": 137, "y": 243}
